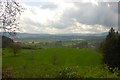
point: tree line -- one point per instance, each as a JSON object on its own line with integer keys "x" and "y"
{"x": 110, "y": 48}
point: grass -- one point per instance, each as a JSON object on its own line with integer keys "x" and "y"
{"x": 0, "y": 56}
{"x": 49, "y": 62}
{"x": 65, "y": 56}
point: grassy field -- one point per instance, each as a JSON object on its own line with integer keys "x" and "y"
{"x": 56, "y": 62}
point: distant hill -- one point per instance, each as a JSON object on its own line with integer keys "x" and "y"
{"x": 30, "y": 36}
{"x": 69, "y": 34}
{"x": 73, "y": 34}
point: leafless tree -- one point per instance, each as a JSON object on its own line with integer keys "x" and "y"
{"x": 9, "y": 13}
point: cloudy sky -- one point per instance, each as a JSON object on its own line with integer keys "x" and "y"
{"x": 60, "y": 17}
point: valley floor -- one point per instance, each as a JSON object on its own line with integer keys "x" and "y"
{"x": 55, "y": 63}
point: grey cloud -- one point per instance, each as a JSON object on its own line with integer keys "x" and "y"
{"x": 64, "y": 23}
{"x": 49, "y": 5}
{"x": 90, "y": 15}
{"x": 86, "y": 14}
{"x": 43, "y": 5}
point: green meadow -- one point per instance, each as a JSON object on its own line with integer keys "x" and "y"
{"x": 56, "y": 63}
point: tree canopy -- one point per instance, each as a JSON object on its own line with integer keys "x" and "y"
{"x": 111, "y": 49}
{"x": 9, "y": 12}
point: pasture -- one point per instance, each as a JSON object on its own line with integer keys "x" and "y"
{"x": 56, "y": 63}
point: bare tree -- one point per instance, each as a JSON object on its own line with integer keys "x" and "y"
{"x": 9, "y": 13}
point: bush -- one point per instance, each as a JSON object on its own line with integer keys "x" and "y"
{"x": 68, "y": 72}
{"x": 15, "y": 48}
{"x": 31, "y": 47}
{"x": 7, "y": 72}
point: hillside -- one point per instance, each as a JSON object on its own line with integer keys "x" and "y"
{"x": 27, "y": 36}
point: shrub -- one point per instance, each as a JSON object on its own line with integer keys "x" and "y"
{"x": 15, "y": 48}
{"x": 68, "y": 72}
{"x": 7, "y": 72}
